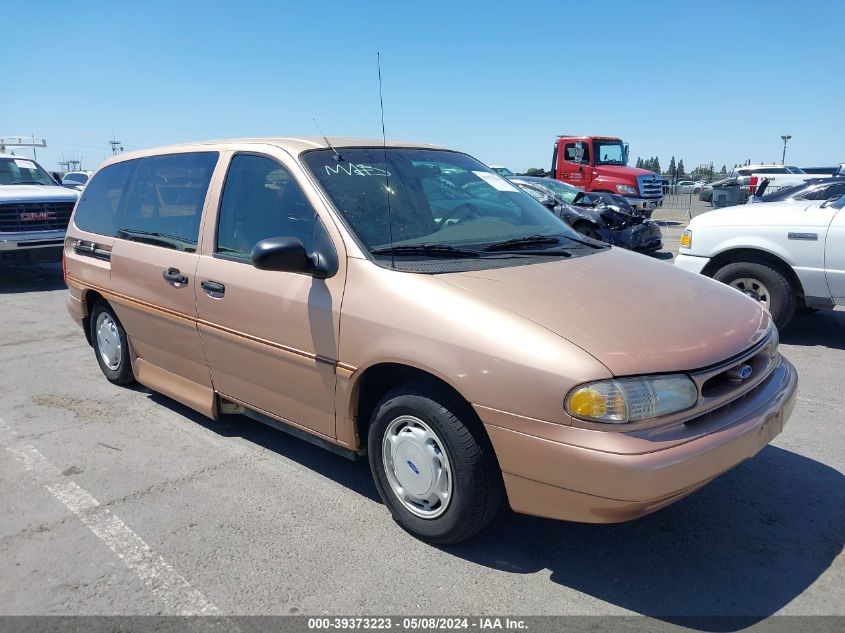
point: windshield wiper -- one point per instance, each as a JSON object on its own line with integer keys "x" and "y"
{"x": 520, "y": 242}
{"x": 29, "y": 182}
{"x": 435, "y": 250}
{"x": 154, "y": 237}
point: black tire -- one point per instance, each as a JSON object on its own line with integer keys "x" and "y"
{"x": 783, "y": 299}
{"x": 477, "y": 491}
{"x": 122, "y": 373}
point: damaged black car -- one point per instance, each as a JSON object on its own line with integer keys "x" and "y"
{"x": 602, "y": 216}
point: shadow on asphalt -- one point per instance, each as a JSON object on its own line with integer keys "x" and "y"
{"x": 743, "y": 547}
{"x": 15, "y": 279}
{"x": 825, "y": 328}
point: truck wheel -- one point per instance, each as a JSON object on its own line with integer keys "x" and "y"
{"x": 433, "y": 465}
{"x": 110, "y": 344}
{"x": 766, "y": 285}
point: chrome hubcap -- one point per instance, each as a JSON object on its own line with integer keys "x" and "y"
{"x": 108, "y": 341}
{"x": 754, "y": 288}
{"x": 417, "y": 467}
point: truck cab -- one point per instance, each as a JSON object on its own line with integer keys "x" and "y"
{"x": 600, "y": 163}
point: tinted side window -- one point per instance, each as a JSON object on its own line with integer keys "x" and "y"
{"x": 165, "y": 199}
{"x": 569, "y": 153}
{"x": 826, "y": 192}
{"x": 97, "y": 210}
{"x": 261, "y": 199}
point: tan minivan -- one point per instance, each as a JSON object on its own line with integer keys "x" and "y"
{"x": 406, "y": 302}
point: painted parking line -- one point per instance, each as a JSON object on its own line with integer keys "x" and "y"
{"x": 157, "y": 574}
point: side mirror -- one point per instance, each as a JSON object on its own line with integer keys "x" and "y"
{"x": 837, "y": 202}
{"x": 549, "y": 202}
{"x": 286, "y": 254}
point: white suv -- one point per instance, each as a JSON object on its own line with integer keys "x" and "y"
{"x": 783, "y": 254}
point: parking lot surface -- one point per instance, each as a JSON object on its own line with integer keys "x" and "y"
{"x": 120, "y": 501}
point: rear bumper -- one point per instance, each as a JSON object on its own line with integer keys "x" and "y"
{"x": 572, "y": 482}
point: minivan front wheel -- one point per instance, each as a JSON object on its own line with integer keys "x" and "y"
{"x": 110, "y": 344}
{"x": 433, "y": 465}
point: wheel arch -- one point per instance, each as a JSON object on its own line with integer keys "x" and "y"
{"x": 89, "y": 298}
{"x": 376, "y": 380}
{"x": 753, "y": 255}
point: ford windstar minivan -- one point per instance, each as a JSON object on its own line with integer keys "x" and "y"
{"x": 405, "y": 302}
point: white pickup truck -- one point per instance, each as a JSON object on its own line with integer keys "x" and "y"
{"x": 786, "y": 255}
{"x": 777, "y": 176}
{"x": 34, "y": 212}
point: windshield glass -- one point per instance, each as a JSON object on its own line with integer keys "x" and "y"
{"x": 430, "y": 197}
{"x": 795, "y": 170}
{"x": 563, "y": 192}
{"x": 609, "y": 152}
{"x": 22, "y": 171}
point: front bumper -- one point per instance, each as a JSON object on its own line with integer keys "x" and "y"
{"x": 645, "y": 203}
{"x": 634, "y": 474}
{"x": 31, "y": 239}
{"x": 692, "y": 263}
{"x": 645, "y": 237}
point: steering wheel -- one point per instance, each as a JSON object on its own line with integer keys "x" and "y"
{"x": 468, "y": 207}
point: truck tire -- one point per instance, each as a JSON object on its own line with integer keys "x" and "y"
{"x": 433, "y": 464}
{"x": 111, "y": 345}
{"x": 766, "y": 284}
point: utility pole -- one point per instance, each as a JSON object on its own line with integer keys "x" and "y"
{"x": 116, "y": 146}
{"x": 22, "y": 141}
{"x": 785, "y": 138}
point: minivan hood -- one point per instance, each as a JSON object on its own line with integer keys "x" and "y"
{"x": 37, "y": 193}
{"x": 635, "y": 314}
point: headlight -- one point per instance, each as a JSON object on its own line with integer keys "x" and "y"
{"x": 626, "y": 189}
{"x": 686, "y": 239}
{"x": 631, "y": 399}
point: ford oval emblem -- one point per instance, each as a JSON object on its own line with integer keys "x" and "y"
{"x": 745, "y": 372}
{"x": 413, "y": 467}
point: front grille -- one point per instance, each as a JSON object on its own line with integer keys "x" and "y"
{"x": 650, "y": 186}
{"x": 35, "y": 216}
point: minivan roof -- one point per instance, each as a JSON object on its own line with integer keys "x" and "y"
{"x": 293, "y": 145}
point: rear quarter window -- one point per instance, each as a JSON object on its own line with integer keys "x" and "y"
{"x": 96, "y": 211}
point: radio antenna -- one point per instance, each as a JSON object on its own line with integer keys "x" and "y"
{"x": 337, "y": 156}
{"x": 384, "y": 148}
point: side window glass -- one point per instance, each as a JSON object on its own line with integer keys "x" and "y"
{"x": 261, "y": 199}
{"x": 165, "y": 200}
{"x": 97, "y": 211}
{"x": 569, "y": 153}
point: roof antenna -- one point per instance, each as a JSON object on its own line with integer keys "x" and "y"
{"x": 337, "y": 156}
{"x": 384, "y": 147}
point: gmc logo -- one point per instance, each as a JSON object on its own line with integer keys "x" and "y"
{"x": 37, "y": 215}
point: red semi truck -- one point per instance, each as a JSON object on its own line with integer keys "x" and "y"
{"x": 600, "y": 163}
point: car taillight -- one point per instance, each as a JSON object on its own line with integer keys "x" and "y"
{"x": 752, "y": 185}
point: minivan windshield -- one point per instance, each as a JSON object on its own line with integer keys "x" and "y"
{"x": 433, "y": 203}
{"x": 22, "y": 171}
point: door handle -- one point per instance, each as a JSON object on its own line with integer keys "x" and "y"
{"x": 174, "y": 275}
{"x": 213, "y": 288}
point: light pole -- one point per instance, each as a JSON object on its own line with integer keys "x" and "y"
{"x": 785, "y": 138}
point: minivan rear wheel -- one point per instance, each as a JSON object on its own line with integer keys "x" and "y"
{"x": 433, "y": 464}
{"x": 765, "y": 284}
{"x": 111, "y": 345}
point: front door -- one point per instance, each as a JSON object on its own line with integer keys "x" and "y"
{"x": 270, "y": 337}
{"x": 835, "y": 254}
{"x": 570, "y": 170}
{"x": 153, "y": 261}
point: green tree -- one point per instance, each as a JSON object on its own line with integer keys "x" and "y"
{"x": 681, "y": 171}
{"x": 535, "y": 171}
{"x": 639, "y": 162}
{"x": 672, "y": 167}
{"x": 656, "y": 168}
{"x": 723, "y": 170}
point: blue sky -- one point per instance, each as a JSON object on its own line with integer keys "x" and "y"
{"x": 499, "y": 80}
